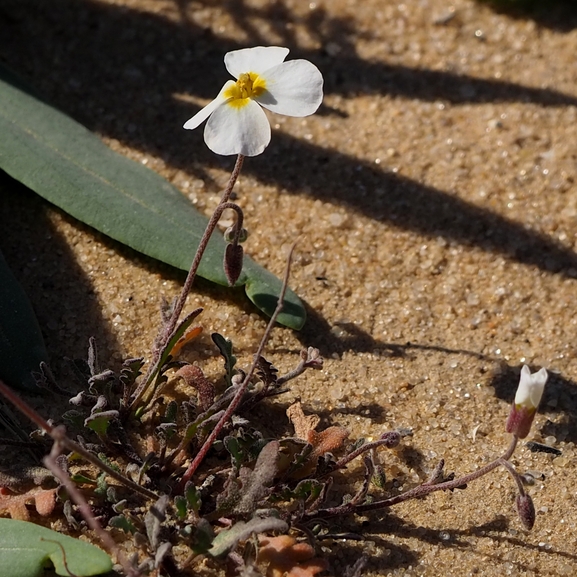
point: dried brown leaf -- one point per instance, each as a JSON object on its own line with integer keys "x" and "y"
{"x": 15, "y": 505}
{"x": 287, "y": 558}
{"x": 303, "y": 424}
{"x": 194, "y": 377}
{"x": 327, "y": 441}
{"x": 190, "y": 335}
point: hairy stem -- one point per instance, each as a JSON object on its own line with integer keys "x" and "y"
{"x": 515, "y": 475}
{"x": 83, "y": 506}
{"x": 210, "y": 227}
{"x": 239, "y": 219}
{"x": 58, "y": 435}
{"x": 242, "y": 389}
{"x": 168, "y": 329}
{"x": 416, "y": 492}
{"x": 389, "y": 439}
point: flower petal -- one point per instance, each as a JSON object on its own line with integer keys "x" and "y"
{"x": 238, "y": 130}
{"x": 293, "y": 88}
{"x": 256, "y": 59}
{"x": 205, "y": 112}
{"x": 530, "y": 389}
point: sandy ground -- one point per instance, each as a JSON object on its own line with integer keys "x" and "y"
{"x": 435, "y": 200}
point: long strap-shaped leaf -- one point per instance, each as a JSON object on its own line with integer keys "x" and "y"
{"x": 68, "y": 165}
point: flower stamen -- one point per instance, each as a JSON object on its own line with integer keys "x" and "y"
{"x": 248, "y": 85}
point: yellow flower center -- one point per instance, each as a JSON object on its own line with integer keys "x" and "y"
{"x": 248, "y": 85}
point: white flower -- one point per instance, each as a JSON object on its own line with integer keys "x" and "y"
{"x": 236, "y": 122}
{"x": 530, "y": 388}
{"x": 527, "y": 399}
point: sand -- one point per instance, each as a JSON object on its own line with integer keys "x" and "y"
{"x": 434, "y": 198}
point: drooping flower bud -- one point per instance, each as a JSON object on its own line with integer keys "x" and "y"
{"x": 392, "y": 438}
{"x": 526, "y": 511}
{"x": 233, "y": 258}
{"x": 526, "y": 401}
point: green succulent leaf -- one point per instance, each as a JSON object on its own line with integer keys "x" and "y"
{"x": 99, "y": 422}
{"x": 69, "y": 166}
{"x": 26, "y": 548}
{"x": 193, "y": 497}
{"x": 225, "y": 347}
{"x": 123, "y": 523}
{"x": 180, "y": 506}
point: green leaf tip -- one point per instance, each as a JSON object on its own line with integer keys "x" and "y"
{"x": 65, "y": 163}
{"x": 25, "y": 549}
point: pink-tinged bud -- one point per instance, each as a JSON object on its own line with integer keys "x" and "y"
{"x": 526, "y": 511}
{"x": 392, "y": 438}
{"x": 526, "y": 401}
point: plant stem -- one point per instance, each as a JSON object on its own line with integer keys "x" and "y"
{"x": 168, "y": 329}
{"x": 242, "y": 389}
{"x": 416, "y": 492}
{"x": 83, "y": 506}
{"x": 59, "y": 436}
{"x": 515, "y": 475}
{"x": 210, "y": 227}
{"x": 389, "y": 439}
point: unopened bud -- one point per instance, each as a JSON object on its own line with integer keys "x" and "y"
{"x": 526, "y": 511}
{"x": 391, "y": 438}
{"x": 233, "y": 262}
{"x": 526, "y": 401}
{"x": 312, "y": 358}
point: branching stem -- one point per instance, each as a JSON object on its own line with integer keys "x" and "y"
{"x": 416, "y": 492}
{"x": 168, "y": 329}
{"x": 242, "y": 389}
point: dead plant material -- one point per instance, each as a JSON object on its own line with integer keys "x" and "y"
{"x": 287, "y": 558}
{"x": 15, "y": 505}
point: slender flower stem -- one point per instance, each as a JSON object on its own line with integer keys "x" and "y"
{"x": 59, "y": 436}
{"x": 84, "y": 507}
{"x": 168, "y": 329}
{"x": 237, "y": 228}
{"x": 515, "y": 475}
{"x": 210, "y": 227}
{"x": 390, "y": 439}
{"x": 242, "y": 389}
{"x": 416, "y": 492}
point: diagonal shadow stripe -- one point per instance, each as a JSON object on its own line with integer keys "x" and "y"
{"x": 347, "y": 74}
{"x": 88, "y": 35}
{"x": 127, "y": 43}
{"x": 407, "y": 204}
{"x": 555, "y": 14}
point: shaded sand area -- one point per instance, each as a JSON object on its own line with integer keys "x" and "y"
{"x": 435, "y": 200}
